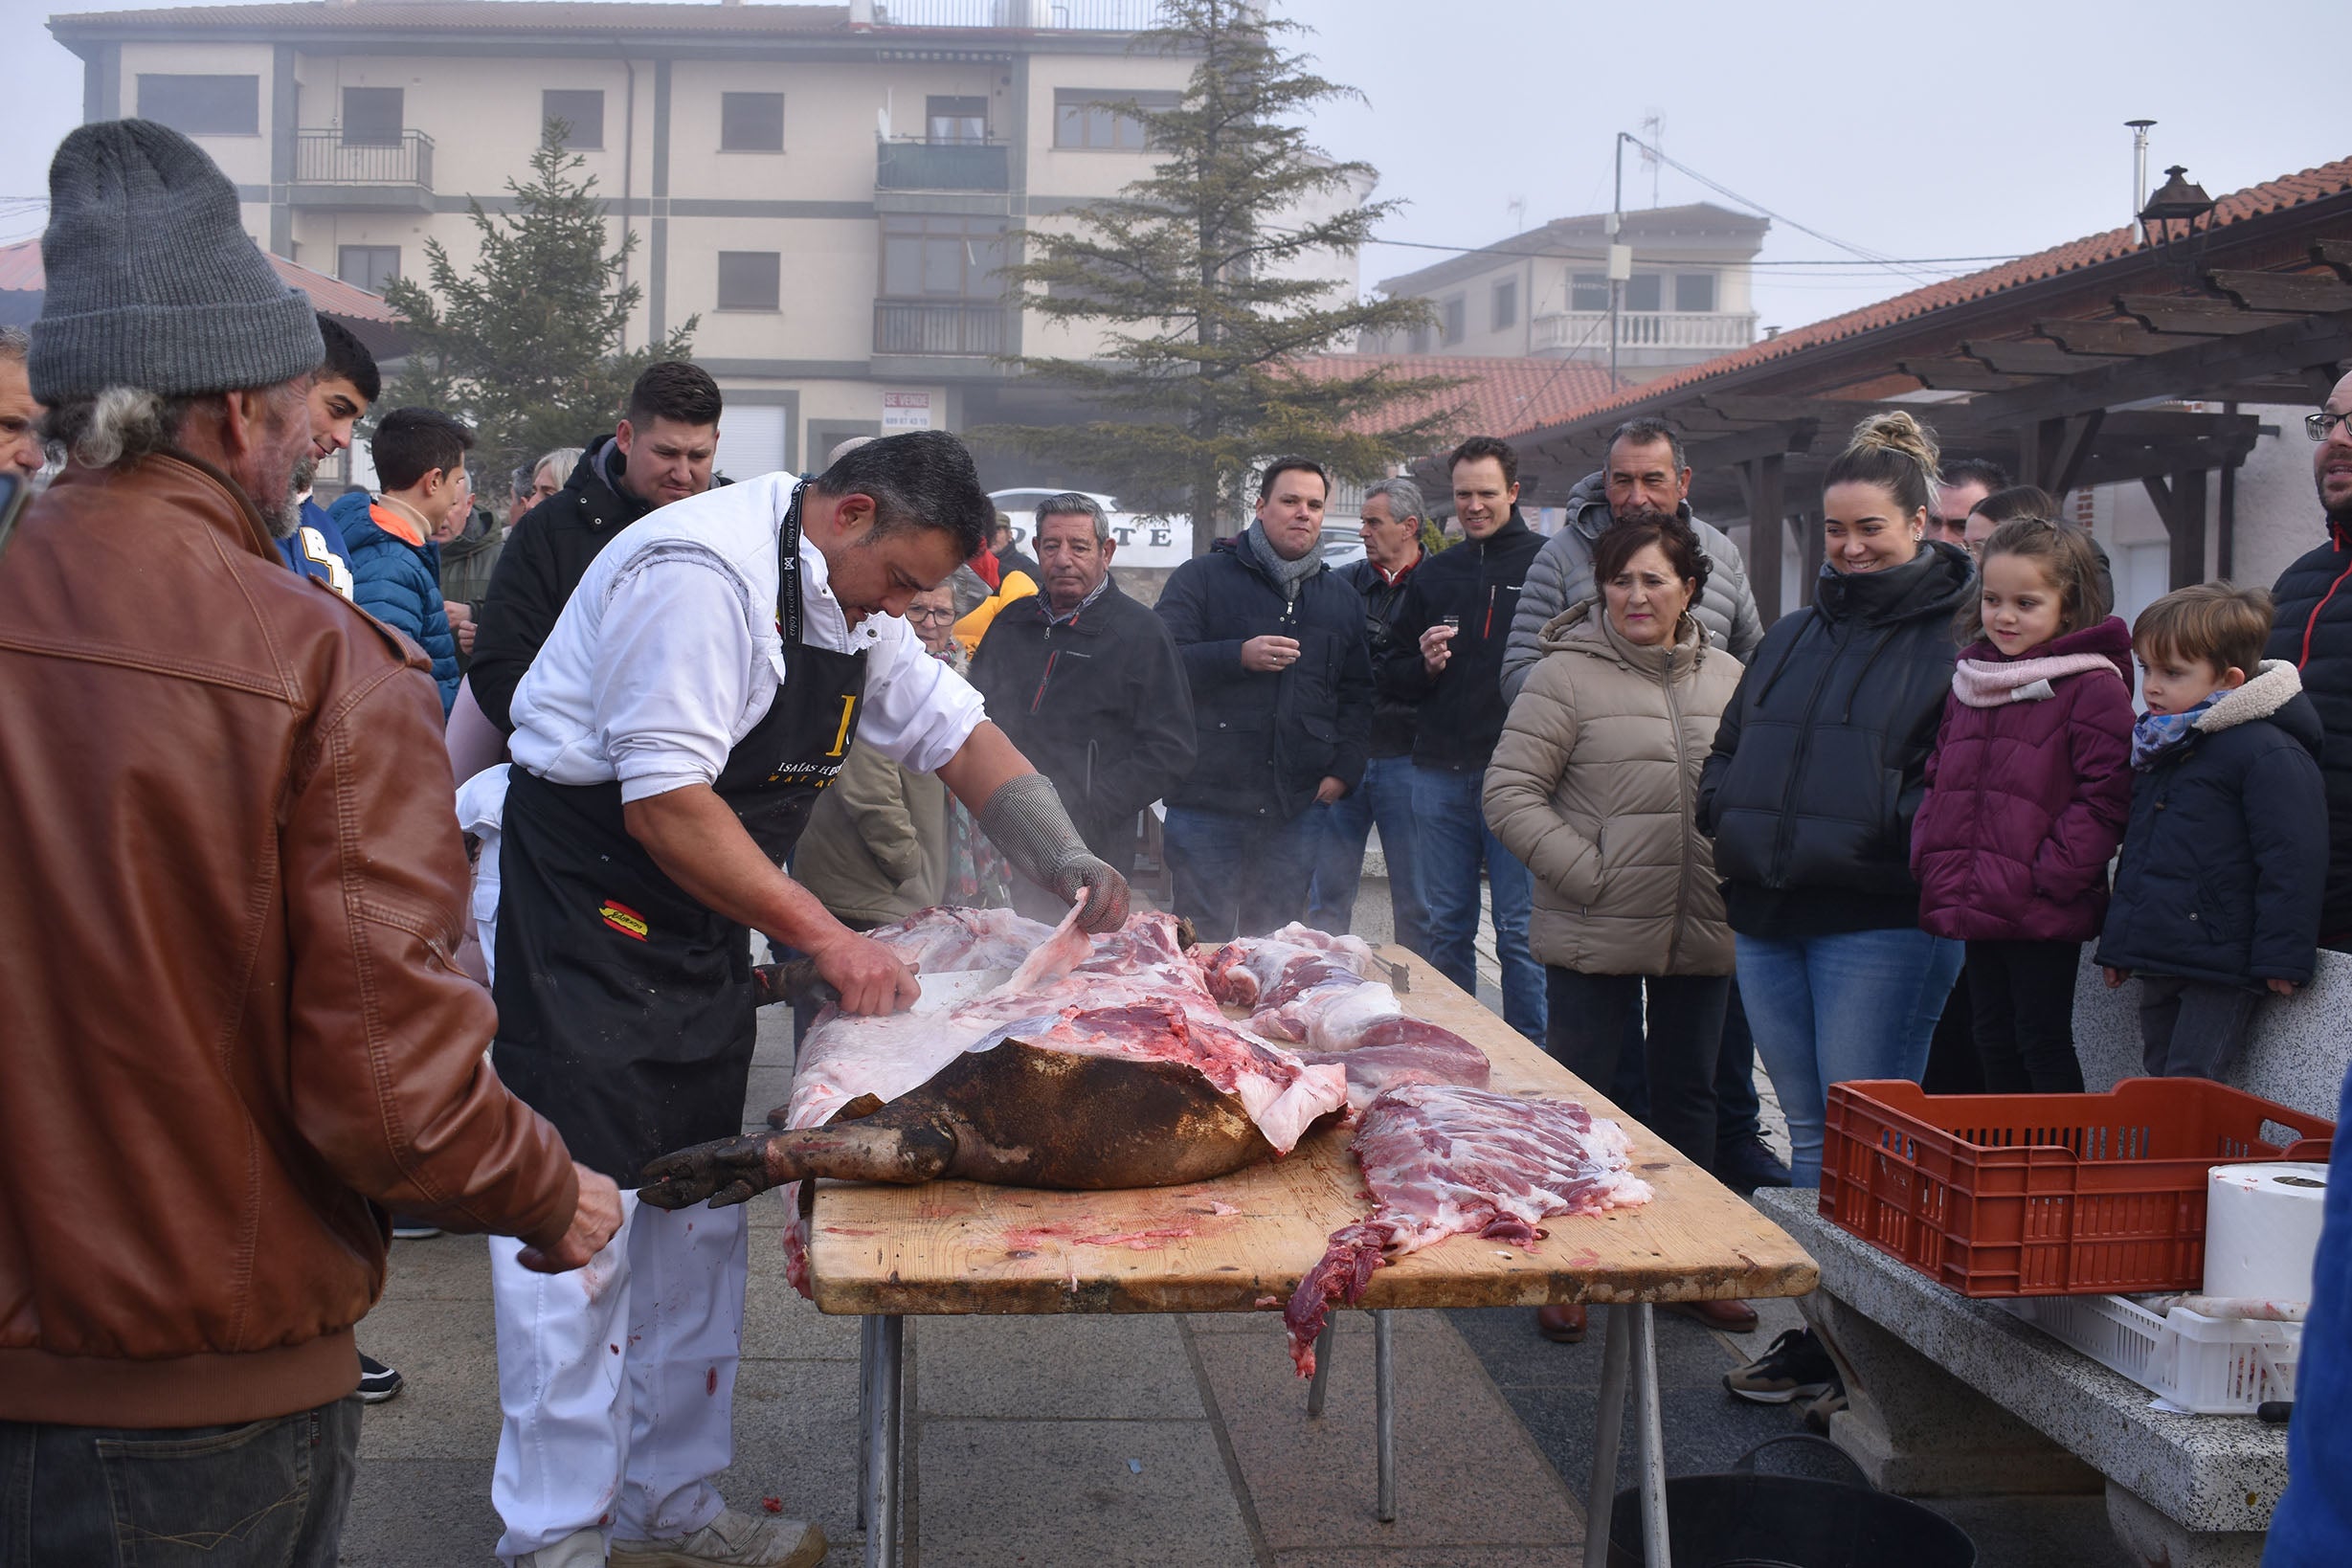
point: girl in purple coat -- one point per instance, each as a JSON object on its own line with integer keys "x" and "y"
{"x": 2028, "y": 795}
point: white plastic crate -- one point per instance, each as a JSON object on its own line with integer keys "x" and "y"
{"x": 2209, "y": 1365}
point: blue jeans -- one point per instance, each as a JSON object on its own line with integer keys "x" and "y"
{"x": 1241, "y": 875}
{"x": 250, "y": 1492}
{"x": 1385, "y": 796}
{"x": 1452, "y": 849}
{"x": 1827, "y": 1009}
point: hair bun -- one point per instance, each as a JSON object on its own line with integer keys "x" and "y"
{"x": 1895, "y": 431}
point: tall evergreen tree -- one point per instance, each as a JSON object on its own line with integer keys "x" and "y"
{"x": 1190, "y": 280}
{"x": 526, "y": 345}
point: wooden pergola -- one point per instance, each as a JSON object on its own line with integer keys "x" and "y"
{"x": 2069, "y": 368}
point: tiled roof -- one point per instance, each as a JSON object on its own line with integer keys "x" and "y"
{"x": 2332, "y": 179}
{"x": 471, "y": 17}
{"x": 1497, "y": 394}
{"x": 20, "y": 272}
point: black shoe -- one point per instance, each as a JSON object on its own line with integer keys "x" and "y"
{"x": 1797, "y": 1367}
{"x": 1818, "y": 1412}
{"x": 377, "y": 1383}
{"x": 1748, "y": 1165}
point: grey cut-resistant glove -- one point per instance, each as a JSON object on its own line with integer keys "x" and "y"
{"x": 1026, "y": 819}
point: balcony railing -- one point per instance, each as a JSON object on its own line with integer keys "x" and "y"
{"x": 922, "y": 327}
{"x": 1029, "y": 15}
{"x": 1678, "y": 331}
{"x": 943, "y": 165}
{"x": 333, "y": 157}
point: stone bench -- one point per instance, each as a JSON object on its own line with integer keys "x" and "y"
{"x": 1951, "y": 1398}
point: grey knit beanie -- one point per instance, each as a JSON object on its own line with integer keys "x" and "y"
{"x": 152, "y": 282}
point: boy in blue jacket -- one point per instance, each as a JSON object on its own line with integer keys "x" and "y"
{"x": 2217, "y": 895}
{"x": 395, "y": 566}
{"x": 346, "y": 384}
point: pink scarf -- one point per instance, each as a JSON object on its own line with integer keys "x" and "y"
{"x": 1983, "y": 684}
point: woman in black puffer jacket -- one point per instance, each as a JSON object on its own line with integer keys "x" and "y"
{"x": 1818, "y": 766}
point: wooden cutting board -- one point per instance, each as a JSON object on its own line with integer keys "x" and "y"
{"x": 1242, "y": 1242}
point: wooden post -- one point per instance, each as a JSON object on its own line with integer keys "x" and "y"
{"x": 1759, "y": 480}
{"x": 1810, "y": 545}
{"x": 2180, "y": 504}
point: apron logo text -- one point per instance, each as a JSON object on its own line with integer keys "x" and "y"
{"x": 623, "y": 919}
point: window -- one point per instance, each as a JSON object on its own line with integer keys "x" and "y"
{"x": 202, "y": 105}
{"x": 956, "y": 118}
{"x": 1418, "y": 341}
{"x": 370, "y": 117}
{"x": 940, "y": 256}
{"x": 1084, "y": 119}
{"x": 368, "y": 266}
{"x": 580, "y": 109}
{"x": 1645, "y": 291}
{"x": 1505, "y": 303}
{"x": 1454, "y": 314}
{"x": 749, "y": 279}
{"x": 1694, "y": 291}
{"x": 1588, "y": 291}
{"x": 750, "y": 122}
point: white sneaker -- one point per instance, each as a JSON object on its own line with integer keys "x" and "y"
{"x": 581, "y": 1549}
{"x": 737, "y": 1540}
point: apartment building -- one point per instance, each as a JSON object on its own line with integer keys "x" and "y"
{"x": 829, "y": 188}
{"x": 1545, "y": 293}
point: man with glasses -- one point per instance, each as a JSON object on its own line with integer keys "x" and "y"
{"x": 1087, "y": 683}
{"x": 2312, "y": 628}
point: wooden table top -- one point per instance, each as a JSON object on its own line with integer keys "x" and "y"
{"x": 960, "y": 1247}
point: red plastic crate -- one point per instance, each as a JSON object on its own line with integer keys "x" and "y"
{"x": 2042, "y": 1194}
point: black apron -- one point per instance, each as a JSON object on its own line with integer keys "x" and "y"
{"x": 625, "y": 1007}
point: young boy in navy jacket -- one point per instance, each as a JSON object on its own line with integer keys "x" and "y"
{"x": 2217, "y": 896}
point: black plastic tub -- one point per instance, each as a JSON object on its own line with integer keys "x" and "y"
{"x": 1746, "y": 1519}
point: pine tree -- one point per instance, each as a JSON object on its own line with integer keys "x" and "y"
{"x": 1183, "y": 277}
{"x": 527, "y": 347}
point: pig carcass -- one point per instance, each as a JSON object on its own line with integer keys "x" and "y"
{"x": 1102, "y": 1063}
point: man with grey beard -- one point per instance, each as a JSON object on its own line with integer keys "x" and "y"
{"x": 235, "y": 1040}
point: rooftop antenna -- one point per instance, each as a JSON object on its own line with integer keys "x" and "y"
{"x": 2139, "y": 175}
{"x": 1653, "y": 135}
{"x": 1516, "y": 207}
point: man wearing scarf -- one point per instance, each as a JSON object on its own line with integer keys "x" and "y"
{"x": 1274, "y": 649}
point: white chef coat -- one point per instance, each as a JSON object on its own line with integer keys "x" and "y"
{"x": 668, "y": 653}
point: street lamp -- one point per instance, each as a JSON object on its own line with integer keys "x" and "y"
{"x": 2171, "y": 222}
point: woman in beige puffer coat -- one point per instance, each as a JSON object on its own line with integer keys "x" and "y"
{"x": 1595, "y": 786}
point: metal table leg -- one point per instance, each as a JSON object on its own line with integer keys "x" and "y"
{"x": 1609, "y": 1424}
{"x": 1651, "y": 1430}
{"x": 1324, "y": 1343}
{"x": 866, "y": 1330}
{"x": 882, "y": 1345}
{"x": 1384, "y": 1393}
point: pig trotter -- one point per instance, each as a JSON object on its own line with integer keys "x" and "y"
{"x": 726, "y": 1171}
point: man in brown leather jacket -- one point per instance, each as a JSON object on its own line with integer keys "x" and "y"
{"x": 234, "y": 1037}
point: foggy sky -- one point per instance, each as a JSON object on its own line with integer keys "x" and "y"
{"x": 1912, "y": 131}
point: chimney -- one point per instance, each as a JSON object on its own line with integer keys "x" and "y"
{"x": 2139, "y": 175}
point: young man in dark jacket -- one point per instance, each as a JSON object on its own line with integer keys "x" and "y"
{"x": 2312, "y": 631}
{"x": 1273, "y": 648}
{"x": 661, "y": 453}
{"x": 2219, "y": 885}
{"x": 1086, "y": 684}
{"x": 1448, "y": 660}
{"x": 1392, "y": 522}
{"x": 341, "y": 389}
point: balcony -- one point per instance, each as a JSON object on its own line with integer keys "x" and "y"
{"x": 336, "y": 171}
{"x": 933, "y": 329}
{"x": 1652, "y": 337}
{"x": 943, "y": 165}
{"x": 1026, "y": 16}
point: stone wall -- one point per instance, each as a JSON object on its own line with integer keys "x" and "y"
{"x": 2297, "y": 1054}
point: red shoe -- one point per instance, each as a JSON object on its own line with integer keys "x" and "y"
{"x": 1561, "y": 1325}
{"x": 1728, "y": 1316}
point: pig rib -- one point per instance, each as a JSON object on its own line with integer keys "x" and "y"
{"x": 1444, "y": 1160}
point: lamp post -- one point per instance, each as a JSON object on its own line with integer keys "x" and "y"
{"x": 2171, "y": 222}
